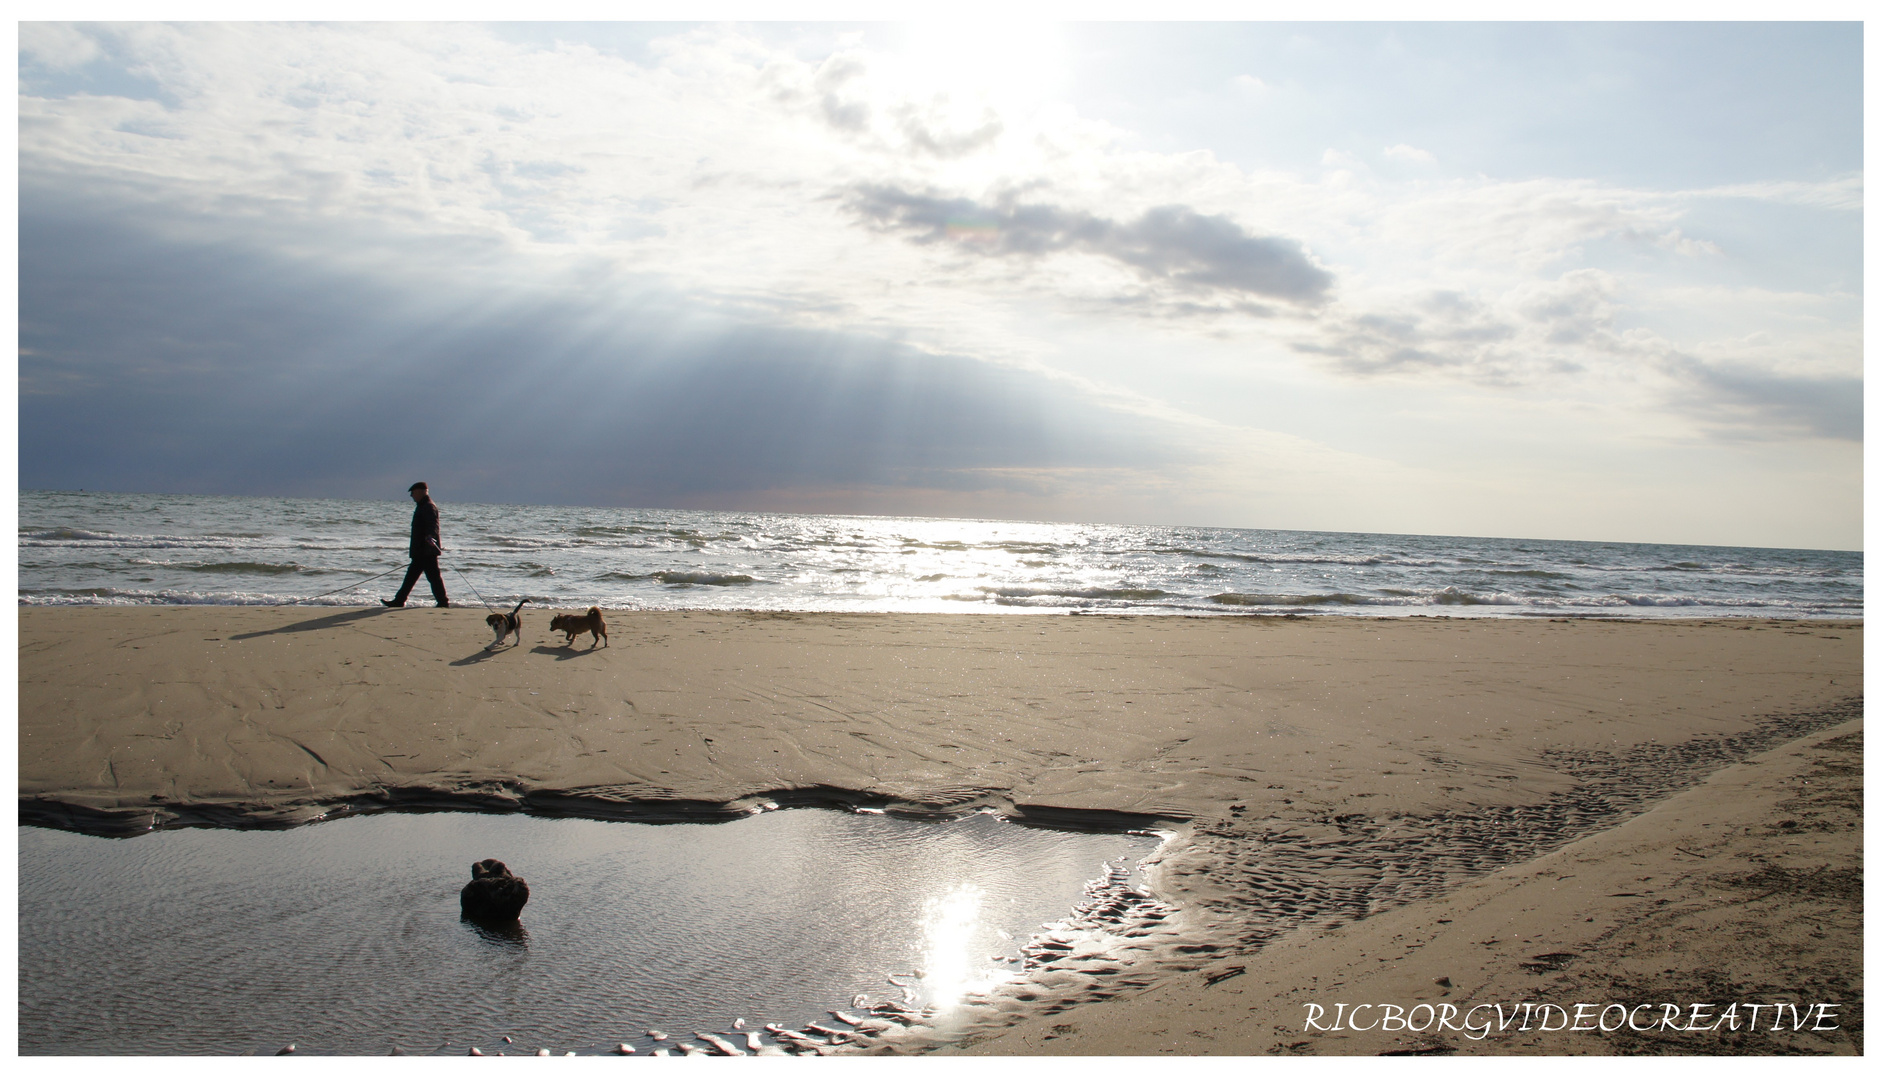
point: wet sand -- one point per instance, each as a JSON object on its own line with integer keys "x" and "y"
{"x": 1747, "y": 888}
{"x": 1324, "y": 777}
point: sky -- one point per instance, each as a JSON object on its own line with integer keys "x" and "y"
{"x": 1564, "y": 280}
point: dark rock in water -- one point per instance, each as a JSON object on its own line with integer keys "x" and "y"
{"x": 494, "y": 894}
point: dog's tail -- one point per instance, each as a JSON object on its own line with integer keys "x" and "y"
{"x": 594, "y": 611}
{"x": 519, "y": 607}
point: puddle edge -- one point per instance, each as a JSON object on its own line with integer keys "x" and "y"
{"x": 118, "y": 821}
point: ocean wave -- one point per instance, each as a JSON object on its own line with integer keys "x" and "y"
{"x": 1301, "y": 558}
{"x": 1302, "y": 599}
{"x": 1016, "y": 547}
{"x": 499, "y": 542}
{"x": 1015, "y": 592}
{"x": 1666, "y": 600}
{"x": 80, "y": 538}
{"x": 1257, "y": 557}
{"x": 66, "y": 534}
{"x": 129, "y": 597}
{"x": 698, "y": 577}
{"x": 1450, "y": 595}
{"x": 1040, "y": 601}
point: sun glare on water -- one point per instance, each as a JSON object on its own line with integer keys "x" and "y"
{"x": 951, "y": 926}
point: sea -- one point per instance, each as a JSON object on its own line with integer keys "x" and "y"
{"x": 85, "y": 547}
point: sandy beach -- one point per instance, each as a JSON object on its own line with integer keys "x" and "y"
{"x": 1530, "y": 810}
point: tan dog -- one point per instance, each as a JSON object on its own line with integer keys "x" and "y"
{"x": 573, "y": 625}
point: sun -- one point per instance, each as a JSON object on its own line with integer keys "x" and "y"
{"x": 1008, "y": 66}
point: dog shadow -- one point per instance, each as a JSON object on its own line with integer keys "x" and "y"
{"x": 562, "y": 652}
{"x": 483, "y": 654}
{"x": 325, "y": 622}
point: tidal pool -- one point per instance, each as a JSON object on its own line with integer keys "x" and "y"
{"x": 344, "y": 937}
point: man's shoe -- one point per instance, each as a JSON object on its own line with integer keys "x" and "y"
{"x": 442, "y": 603}
{"x": 393, "y": 603}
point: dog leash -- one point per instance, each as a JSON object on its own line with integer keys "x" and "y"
{"x": 344, "y": 588}
{"x": 473, "y": 588}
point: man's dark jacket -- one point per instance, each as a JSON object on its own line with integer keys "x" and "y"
{"x": 425, "y": 540}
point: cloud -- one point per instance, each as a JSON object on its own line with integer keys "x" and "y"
{"x": 842, "y": 93}
{"x": 1444, "y": 331}
{"x": 929, "y": 128}
{"x": 56, "y": 46}
{"x": 1489, "y": 228}
{"x": 1538, "y": 333}
{"x": 1172, "y": 245}
{"x": 1750, "y": 402}
{"x": 1839, "y": 193}
{"x": 1410, "y": 154}
{"x": 253, "y": 251}
{"x": 841, "y": 111}
{"x": 1249, "y": 86}
{"x": 225, "y": 365}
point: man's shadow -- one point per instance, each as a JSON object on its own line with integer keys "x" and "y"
{"x": 325, "y": 622}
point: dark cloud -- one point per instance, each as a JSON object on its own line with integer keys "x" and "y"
{"x": 151, "y": 362}
{"x": 1751, "y": 402}
{"x": 1169, "y": 244}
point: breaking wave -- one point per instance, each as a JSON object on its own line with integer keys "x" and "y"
{"x": 693, "y": 577}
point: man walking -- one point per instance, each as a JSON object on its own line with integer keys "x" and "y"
{"x": 426, "y": 548}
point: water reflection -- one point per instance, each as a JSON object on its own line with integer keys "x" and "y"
{"x": 346, "y": 937}
{"x": 512, "y": 935}
{"x": 953, "y": 927}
